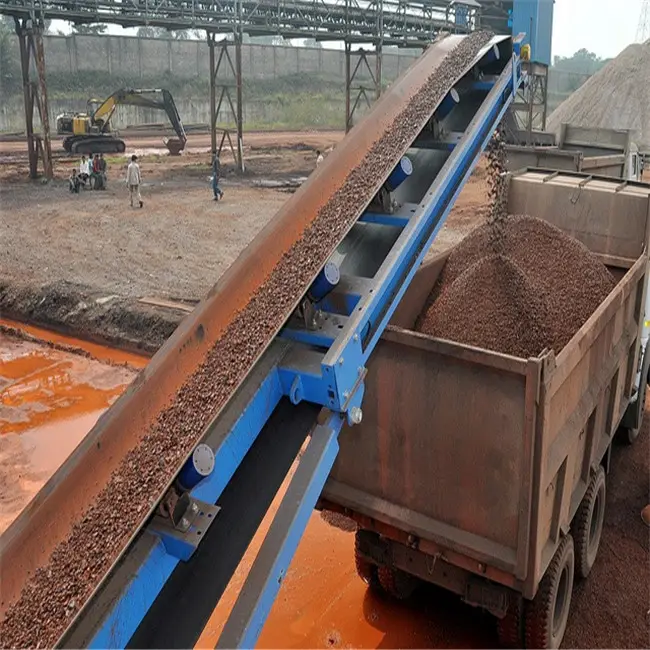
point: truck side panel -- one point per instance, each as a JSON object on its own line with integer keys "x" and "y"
{"x": 583, "y": 398}
{"x": 441, "y": 445}
{"x": 595, "y": 140}
{"x": 608, "y": 218}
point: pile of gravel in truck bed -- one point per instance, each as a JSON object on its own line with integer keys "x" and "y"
{"x": 535, "y": 293}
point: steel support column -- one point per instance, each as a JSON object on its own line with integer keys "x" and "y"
{"x": 379, "y": 48}
{"x": 30, "y": 41}
{"x": 221, "y": 63}
{"x": 358, "y": 89}
{"x": 530, "y": 107}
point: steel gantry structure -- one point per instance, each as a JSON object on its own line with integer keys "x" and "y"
{"x": 371, "y": 24}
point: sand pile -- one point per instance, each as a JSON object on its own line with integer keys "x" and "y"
{"x": 616, "y": 97}
{"x": 535, "y": 294}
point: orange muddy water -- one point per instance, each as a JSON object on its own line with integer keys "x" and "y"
{"x": 50, "y": 397}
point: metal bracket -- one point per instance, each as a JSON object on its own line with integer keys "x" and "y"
{"x": 182, "y": 539}
{"x": 383, "y": 202}
{"x": 310, "y": 316}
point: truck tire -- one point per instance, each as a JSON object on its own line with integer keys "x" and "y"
{"x": 588, "y": 522}
{"x": 396, "y": 583}
{"x": 547, "y": 614}
{"x": 510, "y": 628}
{"x": 366, "y": 570}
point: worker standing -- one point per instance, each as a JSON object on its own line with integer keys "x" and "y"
{"x": 91, "y": 170}
{"x": 102, "y": 171}
{"x": 319, "y": 158}
{"x": 84, "y": 170}
{"x": 95, "y": 174}
{"x": 216, "y": 173}
{"x": 133, "y": 180}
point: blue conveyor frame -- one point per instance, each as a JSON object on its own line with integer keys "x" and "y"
{"x": 323, "y": 366}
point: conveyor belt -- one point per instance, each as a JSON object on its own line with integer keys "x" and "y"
{"x": 49, "y": 519}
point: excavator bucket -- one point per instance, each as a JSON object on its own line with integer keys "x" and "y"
{"x": 175, "y": 146}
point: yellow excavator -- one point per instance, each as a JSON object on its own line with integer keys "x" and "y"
{"x": 90, "y": 132}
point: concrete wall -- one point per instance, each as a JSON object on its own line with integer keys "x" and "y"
{"x": 156, "y": 57}
{"x": 175, "y": 63}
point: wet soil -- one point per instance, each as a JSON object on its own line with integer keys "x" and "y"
{"x": 49, "y": 400}
{"x": 611, "y": 608}
{"x": 90, "y": 314}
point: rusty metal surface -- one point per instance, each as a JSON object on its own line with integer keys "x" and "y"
{"x": 487, "y": 455}
{"x": 608, "y": 216}
{"x": 48, "y": 519}
{"x": 440, "y": 450}
{"x": 582, "y": 401}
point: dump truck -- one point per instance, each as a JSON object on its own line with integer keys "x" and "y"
{"x": 484, "y": 473}
{"x": 605, "y": 152}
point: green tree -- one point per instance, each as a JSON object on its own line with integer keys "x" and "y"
{"x": 161, "y": 32}
{"x": 10, "y": 78}
{"x": 582, "y": 62}
{"x": 89, "y": 28}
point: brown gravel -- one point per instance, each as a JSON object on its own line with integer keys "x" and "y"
{"x": 56, "y": 592}
{"x": 491, "y": 305}
{"x": 566, "y": 283}
{"x": 339, "y": 521}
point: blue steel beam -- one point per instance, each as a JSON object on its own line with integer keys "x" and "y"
{"x": 156, "y": 568}
{"x": 351, "y": 350}
{"x": 267, "y": 573}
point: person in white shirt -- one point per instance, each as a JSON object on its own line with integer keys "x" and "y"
{"x": 133, "y": 180}
{"x": 319, "y": 158}
{"x": 84, "y": 169}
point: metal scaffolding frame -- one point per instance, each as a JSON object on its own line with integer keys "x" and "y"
{"x": 378, "y": 23}
{"x": 30, "y": 41}
{"x": 224, "y": 87}
{"x": 531, "y": 102}
{"x": 357, "y": 92}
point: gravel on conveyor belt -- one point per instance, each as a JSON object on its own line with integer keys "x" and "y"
{"x": 535, "y": 294}
{"x": 55, "y": 593}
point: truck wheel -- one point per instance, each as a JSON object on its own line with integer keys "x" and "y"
{"x": 396, "y": 583}
{"x": 547, "y": 614}
{"x": 366, "y": 570}
{"x": 587, "y": 525}
{"x": 510, "y": 628}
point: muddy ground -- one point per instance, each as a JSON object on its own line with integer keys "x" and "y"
{"x": 81, "y": 262}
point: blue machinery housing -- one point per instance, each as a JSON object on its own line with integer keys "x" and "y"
{"x": 307, "y": 387}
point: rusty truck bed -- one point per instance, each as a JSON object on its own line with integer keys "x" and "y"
{"x": 483, "y": 456}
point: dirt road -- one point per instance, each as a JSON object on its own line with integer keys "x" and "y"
{"x": 64, "y": 252}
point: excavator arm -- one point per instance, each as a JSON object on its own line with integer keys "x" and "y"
{"x": 156, "y": 98}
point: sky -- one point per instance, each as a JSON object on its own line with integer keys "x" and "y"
{"x": 605, "y": 27}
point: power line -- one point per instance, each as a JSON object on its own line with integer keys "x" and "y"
{"x": 643, "y": 30}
